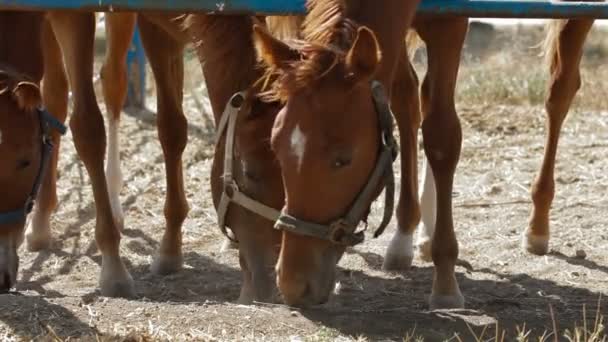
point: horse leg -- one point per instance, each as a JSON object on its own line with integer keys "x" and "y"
{"x": 428, "y": 203}
{"x": 55, "y": 98}
{"x": 565, "y": 40}
{"x": 442, "y": 141}
{"x": 119, "y": 31}
{"x": 406, "y": 108}
{"x": 166, "y": 59}
{"x": 75, "y": 33}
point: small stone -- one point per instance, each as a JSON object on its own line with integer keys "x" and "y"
{"x": 581, "y": 254}
{"x": 569, "y": 244}
{"x": 294, "y": 314}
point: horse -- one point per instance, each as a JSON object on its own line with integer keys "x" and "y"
{"x": 25, "y": 132}
{"x": 164, "y": 40}
{"x": 329, "y": 134}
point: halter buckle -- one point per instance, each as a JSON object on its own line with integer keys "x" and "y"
{"x": 338, "y": 230}
{"x": 231, "y": 189}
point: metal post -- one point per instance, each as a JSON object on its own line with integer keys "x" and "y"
{"x": 136, "y": 73}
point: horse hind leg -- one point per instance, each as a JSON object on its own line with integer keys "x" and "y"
{"x": 75, "y": 33}
{"x": 565, "y": 42}
{"x": 55, "y": 98}
{"x": 119, "y": 30}
{"x": 405, "y": 105}
{"x": 166, "y": 59}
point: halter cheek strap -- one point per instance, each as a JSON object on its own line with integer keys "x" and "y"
{"x": 231, "y": 192}
{"x": 47, "y": 122}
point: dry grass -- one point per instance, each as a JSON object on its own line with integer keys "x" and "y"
{"x": 509, "y": 69}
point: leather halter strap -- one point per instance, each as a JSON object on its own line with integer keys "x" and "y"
{"x": 47, "y": 122}
{"x": 231, "y": 192}
{"x": 343, "y": 231}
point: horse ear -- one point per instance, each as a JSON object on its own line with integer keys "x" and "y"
{"x": 27, "y": 95}
{"x": 364, "y": 56}
{"x": 272, "y": 51}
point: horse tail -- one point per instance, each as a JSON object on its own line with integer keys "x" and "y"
{"x": 412, "y": 43}
{"x": 550, "y": 45}
{"x": 285, "y": 27}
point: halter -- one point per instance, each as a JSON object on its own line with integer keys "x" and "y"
{"x": 47, "y": 122}
{"x": 343, "y": 230}
{"x": 231, "y": 192}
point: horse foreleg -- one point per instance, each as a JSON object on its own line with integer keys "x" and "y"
{"x": 166, "y": 59}
{"x": 75, "y": 33}
{"x": 442, "y": 137}
{"x": 565, "y": 41}
{"x": 119, "y": 31}
{"x": 406, "y": 108}
{"x": 55, "y": 98}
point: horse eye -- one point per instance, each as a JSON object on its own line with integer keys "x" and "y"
{"x": 341, "y": 162}
{"x": 23, "y": 164}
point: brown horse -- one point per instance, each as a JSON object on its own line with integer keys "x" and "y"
{"x": 226, "y": 71}
{"x": 328, "y": 135}
{"x": 563, "y": 49}
{"x": 25, "y": 130}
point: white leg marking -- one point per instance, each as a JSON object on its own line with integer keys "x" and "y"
{"x": 428, "y": 209}
{"x": 113, "y": 171}
{"x": 401, "y": 246}
{"x": 298, "y": 145}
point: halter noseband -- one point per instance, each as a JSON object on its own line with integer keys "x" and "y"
{"x": 47, "y": 122}
{"x": 343, "y": 230}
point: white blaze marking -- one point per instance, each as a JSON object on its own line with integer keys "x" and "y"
{"x": 298, "y": 145}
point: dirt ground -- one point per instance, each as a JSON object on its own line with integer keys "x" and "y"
{"x": 57, "y": 296}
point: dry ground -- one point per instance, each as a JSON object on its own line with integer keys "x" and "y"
{"x": 57, "y": 296}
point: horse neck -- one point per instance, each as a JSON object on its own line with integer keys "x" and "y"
{"x": 229, "y": 58}
{"x": 20, "y": 38}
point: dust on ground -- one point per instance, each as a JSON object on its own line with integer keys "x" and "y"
{"x": 57, "y": 296}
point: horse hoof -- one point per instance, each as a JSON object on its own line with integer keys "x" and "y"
{"x": 115, "y": 280}
{"x": 395, "y": 262}
{"x": 535, "y": 244}
{"x": 424, "y": 246}
{"x": 166, "y": 264}
{"x": 38, "y": 242}
{"x": 124, "y": 288}
{"x": 228, "y": 245}
{"x": 455, "y": 301}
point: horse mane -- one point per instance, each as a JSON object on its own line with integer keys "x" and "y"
{"x": 327, "y": 35}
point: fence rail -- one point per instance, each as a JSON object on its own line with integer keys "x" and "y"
{"x": 469, "y": 8}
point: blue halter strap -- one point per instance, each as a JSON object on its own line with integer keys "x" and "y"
{"x": 47, "y": 122}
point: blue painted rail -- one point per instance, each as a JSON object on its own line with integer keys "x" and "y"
{"x": 470, "y": 8}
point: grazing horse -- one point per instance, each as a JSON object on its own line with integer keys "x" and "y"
{"x": 563, "y": 49}
{"x": 229, "y": 66}
{"x": 25, "y": 132}
{"x": 328, "y": 136}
